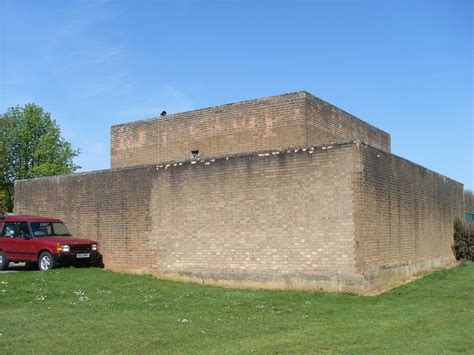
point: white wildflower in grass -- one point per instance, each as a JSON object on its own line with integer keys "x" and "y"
{"x": 260, "y": 306}
{"x": 3, "y": 291}
{"x": 4, "y": 282}
{"x": 275, "y": 310}
{"x": 307, "y": 302}
{"x": 305, "y": 316}
{"x": 40, "y": 298}
{"x": 184, "y": 320}
{"x": 81, "y": 295}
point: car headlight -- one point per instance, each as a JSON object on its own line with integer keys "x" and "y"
{"x": 94, "y": 246}
{"x": 65, "y": 248}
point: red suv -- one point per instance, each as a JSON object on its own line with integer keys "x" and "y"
{"x": 45, "y": 242}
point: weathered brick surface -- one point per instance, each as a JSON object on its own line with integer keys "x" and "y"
{"x": 403, "y": 212}
{"x": 327, "y": 123}
{"x": 345, "y": 216}
{"x": 270, "y": 123}
{"x": 285, "y": 213}
{"x": 109, "y": 206}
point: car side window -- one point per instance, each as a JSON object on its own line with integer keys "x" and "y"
{"x": 9, "y": 230}
{"x": 40, "y": 229}
{"x": 23, "y": 230}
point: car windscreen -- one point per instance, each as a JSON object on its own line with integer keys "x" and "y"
{"x": 48, "y": 229}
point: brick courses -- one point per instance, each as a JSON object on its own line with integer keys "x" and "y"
{"x": 338, "y": 216}
{"x": 270, "y": 123}
{"x": 404, "y": 212}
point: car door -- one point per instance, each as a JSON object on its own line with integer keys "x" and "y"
{"x": 8, "y": 240}
{"x": 24, "y": 245}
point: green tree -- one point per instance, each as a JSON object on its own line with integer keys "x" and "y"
{"x": 30, "y": 146}
{"x": 469, "y": 201}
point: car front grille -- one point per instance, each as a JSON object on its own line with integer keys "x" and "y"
{"x": 81, "y": 247}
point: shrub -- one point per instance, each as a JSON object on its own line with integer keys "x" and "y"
{"x": 463, "y": 246}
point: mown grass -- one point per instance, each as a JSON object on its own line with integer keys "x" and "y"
{"x": 98, "y": 311}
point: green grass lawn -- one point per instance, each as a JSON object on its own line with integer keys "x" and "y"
{"x": 98, "y": 311}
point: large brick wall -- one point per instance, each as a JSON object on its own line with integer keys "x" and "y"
{"x": 404, "y": 213}
{"x": 334, "y": 216}
{"x": 109, "y": 206}
{"x": 284, "y": 214}
{"x": 268, "y": 123}
{"x": 277, "y": 122}
{"x": 266, "y": 216}
{"x": 340, "y": 216}
{"x": 327, "y": 123}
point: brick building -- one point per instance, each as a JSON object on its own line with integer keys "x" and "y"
{"x": 280, "y": 192}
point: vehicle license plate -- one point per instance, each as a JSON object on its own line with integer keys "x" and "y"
{"x": 83, "y": 255}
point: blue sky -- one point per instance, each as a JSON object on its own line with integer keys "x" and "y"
{"x": 403, "y": 66}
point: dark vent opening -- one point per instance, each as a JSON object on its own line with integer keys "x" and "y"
{"x": 194, "y": 154}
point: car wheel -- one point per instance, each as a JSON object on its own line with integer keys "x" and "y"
{"x": 45, "y": 261}
{"x": 3, "y": 261}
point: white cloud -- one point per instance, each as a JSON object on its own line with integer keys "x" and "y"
{"x": 97, "y": 148}
{"x": 109, "y": 83}
{"x": 94, "y": 156}
{"x": 83, "y": 59}
{"x": 167, "y": 98}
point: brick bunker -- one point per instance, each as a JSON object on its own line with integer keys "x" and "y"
{"x": 281, "y": 192}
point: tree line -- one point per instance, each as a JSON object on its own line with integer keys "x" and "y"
{"x": 31, "y": 146}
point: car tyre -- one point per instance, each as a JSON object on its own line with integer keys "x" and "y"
{"x": 45, "y": 261}
{"x": 3, "y": 261}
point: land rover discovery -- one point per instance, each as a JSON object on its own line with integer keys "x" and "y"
{"x": 43, "y": 242}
